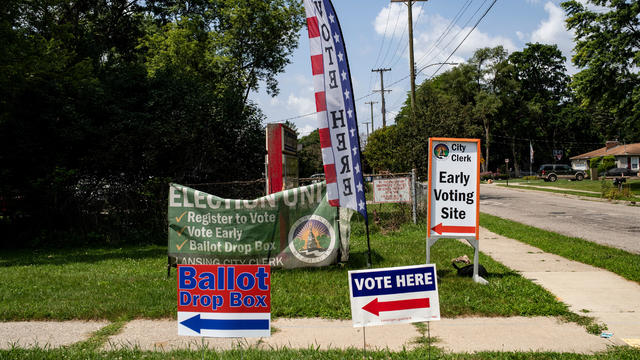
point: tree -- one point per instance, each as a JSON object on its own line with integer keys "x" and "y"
{"x": 608, "y": 50}
{"x": 102, "y": 103}
{"x": 249, "y": 41}
{"x": 310, "y": 157}
{"x": 383, "y": 150}
{"x": 533, "y": 108}
{"x": 491, "y": 66}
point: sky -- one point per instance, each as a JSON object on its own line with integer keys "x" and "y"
{"x": 375, "y": 35}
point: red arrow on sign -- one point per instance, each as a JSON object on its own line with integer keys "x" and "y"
{"x": 454, "y": 229}
{"x": 375, "y": 307}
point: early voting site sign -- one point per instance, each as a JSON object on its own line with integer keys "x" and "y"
{"x": 394, "y": 295}
{"x": 454, "y": 188}
{"x": 224, "y": 300}
{"x": 292, "y": 228}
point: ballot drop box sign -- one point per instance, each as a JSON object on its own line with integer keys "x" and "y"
{"x": 394, "y": 295}
{"x": 454, "y": 187}
{"x": 224, "y": 300}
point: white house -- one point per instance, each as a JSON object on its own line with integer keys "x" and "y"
{"x": 626, "y": 155}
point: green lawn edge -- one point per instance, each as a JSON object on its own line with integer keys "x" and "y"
{"x": 556, "y": 191}
{"x": 615, "y": 260}
{"x": 70, "y": 353}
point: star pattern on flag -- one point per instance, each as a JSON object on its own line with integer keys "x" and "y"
{"x": 337, "y": 98}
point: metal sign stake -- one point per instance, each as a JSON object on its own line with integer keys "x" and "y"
{"x": 364, "y": 342}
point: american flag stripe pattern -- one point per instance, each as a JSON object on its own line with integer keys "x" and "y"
{"x": 335, "y": 108}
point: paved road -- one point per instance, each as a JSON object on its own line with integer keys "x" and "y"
{"x": 616, "y": 225}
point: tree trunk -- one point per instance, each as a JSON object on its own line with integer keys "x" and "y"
{"x": 486, "y": 146}
{"x": 515, "y": 160}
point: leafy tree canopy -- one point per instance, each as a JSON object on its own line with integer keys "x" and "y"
{"x": 607, "y": 36}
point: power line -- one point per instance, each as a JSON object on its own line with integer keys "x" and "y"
{"x": 465, "y": 24}
{"x": 465, "y": 38}
{"x": 383, "y": 37}
{"x": 395, "y": 26}
{"x": 448, "y": 29}
{"x": 382, "y": 91}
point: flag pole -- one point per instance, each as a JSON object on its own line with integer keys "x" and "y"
{"x": 355, "y": 117}
{"x": 366, "y": 222}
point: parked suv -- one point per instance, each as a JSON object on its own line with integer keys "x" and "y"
{"x": 551, "y": 172}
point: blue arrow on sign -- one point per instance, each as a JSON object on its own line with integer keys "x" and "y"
{"x": 196, "y": 324}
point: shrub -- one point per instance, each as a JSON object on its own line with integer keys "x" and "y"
{"x": 606, "y": 163}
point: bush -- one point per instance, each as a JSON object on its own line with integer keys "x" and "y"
{"x": 611, "y": 192}
{"x": 594, "y": 162}
{"x": 606, "y": 163}
{"x": 484, "y": 176}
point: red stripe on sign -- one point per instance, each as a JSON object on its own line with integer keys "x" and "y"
{"x": 316, "y": 65}
{"x": 334, "y": 202}
{"x": 325, "y": 138}
{"x": 330, "y": 173}
{"x": 321, "y": 102}
{"x": 312, "y": 26}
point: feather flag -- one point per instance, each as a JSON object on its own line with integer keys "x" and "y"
{"x": 336, "y": 113}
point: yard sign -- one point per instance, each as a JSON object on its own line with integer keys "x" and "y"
{"x": 224, "y": 300}
{"x": 454, "y": 188}
{"x": 454, "y": 194}
{"x": 394, "y": 295}
{"x": 396, "y": 190}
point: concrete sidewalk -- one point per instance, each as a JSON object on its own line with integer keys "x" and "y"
{"x": 587, "y": 290}
{"x": 606, "y": 296}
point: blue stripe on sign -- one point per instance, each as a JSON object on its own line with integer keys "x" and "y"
{"x": 235, "y": 324}
{"x": 387, "y": 282}
{"x": 196, "y": 323}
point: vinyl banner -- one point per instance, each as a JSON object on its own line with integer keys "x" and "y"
{"x": 292, "y": 228}
{"x": 335, "y": 107}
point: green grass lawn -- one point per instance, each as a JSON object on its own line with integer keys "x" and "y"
{"x": 614, "y": 353}
{"x": 615, "y": 260}
{"x": 131, "y": 282}
{"x": 571, "y": 186}
{"x": 124, "y": 283}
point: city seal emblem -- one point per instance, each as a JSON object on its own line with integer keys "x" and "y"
{"x": 441, "y": 151}
{"x": 312, "y": 239}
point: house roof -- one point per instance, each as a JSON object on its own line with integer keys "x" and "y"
{"x": 619, "y": 150}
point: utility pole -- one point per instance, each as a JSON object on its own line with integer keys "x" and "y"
{"x": 382, "y": 91}
{"x": 412, "y": 67}
{"x": 371, "y": 103}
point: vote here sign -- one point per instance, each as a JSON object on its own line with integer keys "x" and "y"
{"x": 394, "y": 295}
{"x": 224, "y": 300}
{"x": 454, "y": 187}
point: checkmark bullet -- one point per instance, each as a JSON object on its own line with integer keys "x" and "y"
{"x": 179, "y": 247}
{"x": 178, "y": 218}
{"x": 181, "y": 230}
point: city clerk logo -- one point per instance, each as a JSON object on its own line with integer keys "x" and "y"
{"x": 312, "y": 239}
{"x": 441, "y": 151}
